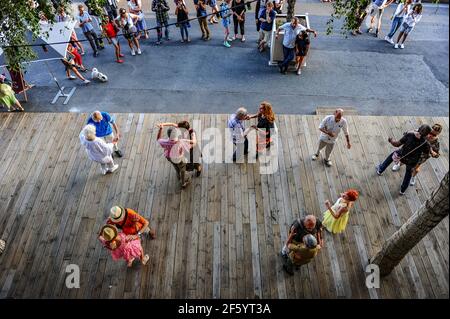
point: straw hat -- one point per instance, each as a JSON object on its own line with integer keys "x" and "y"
{"x": 117, "y": 214}
{"x": 109, "y": 232}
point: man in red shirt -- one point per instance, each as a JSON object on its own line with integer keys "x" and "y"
{"x": 130, "y": 222}
{"x": 110, "y": 29}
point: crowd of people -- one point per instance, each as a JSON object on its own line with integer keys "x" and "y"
{"x": 182, "y": 150}
{"x": 405, "y": 17}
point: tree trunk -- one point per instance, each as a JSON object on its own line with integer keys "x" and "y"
{"x": 417, "y": 227}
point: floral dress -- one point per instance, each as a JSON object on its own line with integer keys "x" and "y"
{"x": 126, "y": 249}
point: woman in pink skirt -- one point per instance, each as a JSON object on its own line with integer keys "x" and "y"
{"x": 123, "y": 246}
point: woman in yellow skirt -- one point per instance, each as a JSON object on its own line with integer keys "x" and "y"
{"x": 336, "y": 217}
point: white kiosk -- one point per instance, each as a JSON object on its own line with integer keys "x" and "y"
{"x": 276, "y": 45}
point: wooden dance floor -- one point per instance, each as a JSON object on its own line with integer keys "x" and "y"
{"x": 219, "y": 238}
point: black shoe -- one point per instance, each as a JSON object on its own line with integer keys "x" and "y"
{"x": 95, "y": 54}
{"x": 101, "y": 47}
{"x": 280, "y": 67}
{"x": 118, "y": 153}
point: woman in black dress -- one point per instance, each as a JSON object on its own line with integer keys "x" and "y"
{"x": 301, "y": 49}
{"x": 266, "y": 123}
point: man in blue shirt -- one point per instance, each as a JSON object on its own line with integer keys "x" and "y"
{"x": 85, "y": 20}
{"x": 291, "y": 30}
{"x": 106, "y": 127}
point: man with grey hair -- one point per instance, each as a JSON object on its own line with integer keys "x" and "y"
{"x": 106, "y": 128}
{"x": 97, "y": 149}
{"x": 330, "y": 127}
{"x": 239, "y": 133}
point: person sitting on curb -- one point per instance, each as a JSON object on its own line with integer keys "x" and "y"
{"x": 301, "y": 253}
{"x": 130, "y": 222}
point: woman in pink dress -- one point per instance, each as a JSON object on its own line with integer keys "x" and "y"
{"x": 122, "y": 246}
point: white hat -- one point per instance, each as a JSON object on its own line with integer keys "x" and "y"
{"x": 117, "y": 214}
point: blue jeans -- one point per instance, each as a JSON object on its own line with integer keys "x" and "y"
{"x": 159, "y": 26}
{"x": 288, "y": 54}
{"x": 408, "y": 172}
{"x": 184, "y": 31}
{"x": 396, "y": 23}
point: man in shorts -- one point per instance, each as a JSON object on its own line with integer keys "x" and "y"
{"x": 266, "y": 22}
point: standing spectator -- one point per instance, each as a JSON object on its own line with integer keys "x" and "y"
{"x": 161, "y": 9}
{"x": 266, "y": 23}
{"x": 361, "y": 11}
{"x": 135, "y": 7}
{"x": 85, "y": 20}
{"x": 62, "y": 16}
{"x": 182, "y": 16}
{"x": 397, "y": 19}
{"x": 266, "y": 123}
{"x": 126, "y": 22}
{"x": 335, "y": 219}
{"x": 239, "y": 11}
{"x": 239, "y": 133}
{"x": 226, "y": 14}
{"x": 330, "y": 127}
{"x": 200, "y": 7}
{"x": 300, "y": 253}
{"x": 260, "y": 8}
{"x": 7, "y": 97}
{"x": 277, "y": 5}
{"x": 121, "y": 245}
{"x": 413, "y": 145}
{"x": 290, "y": 9}
{"x": 376, "y": 11}
{"x": 433, "y": 140}
{"x": 214, "y": 11}
{"x": 130, "y": 222}
{"x": 98, "y": 150}
{"x": 408, "y": 25}
{"x": 111, "y": 9}
{"x": 291, "y": 30}
{"x": 309, "y": 225}
{"x": 110, "y": 29}
{"x": 106, "y": 128}
{"x": 174, "y": 150}
{"x": 301, "y": 50}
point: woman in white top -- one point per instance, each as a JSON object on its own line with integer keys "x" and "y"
{"x": 98, "y": 150}
{"x": 135, "y": 7}
{"x": 126, "y": 21}
{"x": 397, "y": 19}
{"x": 408, "y": 25}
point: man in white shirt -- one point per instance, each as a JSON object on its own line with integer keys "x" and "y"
{"x": 330, "y": 127}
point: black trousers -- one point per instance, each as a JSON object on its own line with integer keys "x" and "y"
{"x": 238, "y": 24}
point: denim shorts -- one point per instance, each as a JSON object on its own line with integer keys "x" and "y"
{"x": 406, "y": 28}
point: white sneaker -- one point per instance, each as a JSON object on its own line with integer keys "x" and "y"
{"x": 387, "y": 39}
{"x": 402, "y": 46}
{"x": 396, "y": 46}
{"x": 413, "y": 181}
{"x": 139, "y": 51}
{"x": 86, "y": 81}
{"x": 114, "y": 168}
{"x": 328, "y": 163}
{"x": 304, "y": 64}
{"x": 314, "y": 157}
{"x": 396, "y": 167}
{"x": 299, "y": 71}
{"x": 104, "y": 171}
{"x": 133, "y": 53}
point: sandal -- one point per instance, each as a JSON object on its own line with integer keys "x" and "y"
{"x": 145, "y": 259}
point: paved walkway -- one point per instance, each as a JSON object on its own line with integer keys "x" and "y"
{"x": 364, "y": 72}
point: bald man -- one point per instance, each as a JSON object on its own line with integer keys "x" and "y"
{"x": 330, "y": 127}
{"x": 309, "y": 225}
{"x": 106, "y": 128}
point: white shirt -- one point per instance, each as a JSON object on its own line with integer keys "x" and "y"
{"x": 412, "y": 18}
{"x": 329, "y": 124}
{"x": 97, "y": 150}
{"x": 399, "y": 11}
